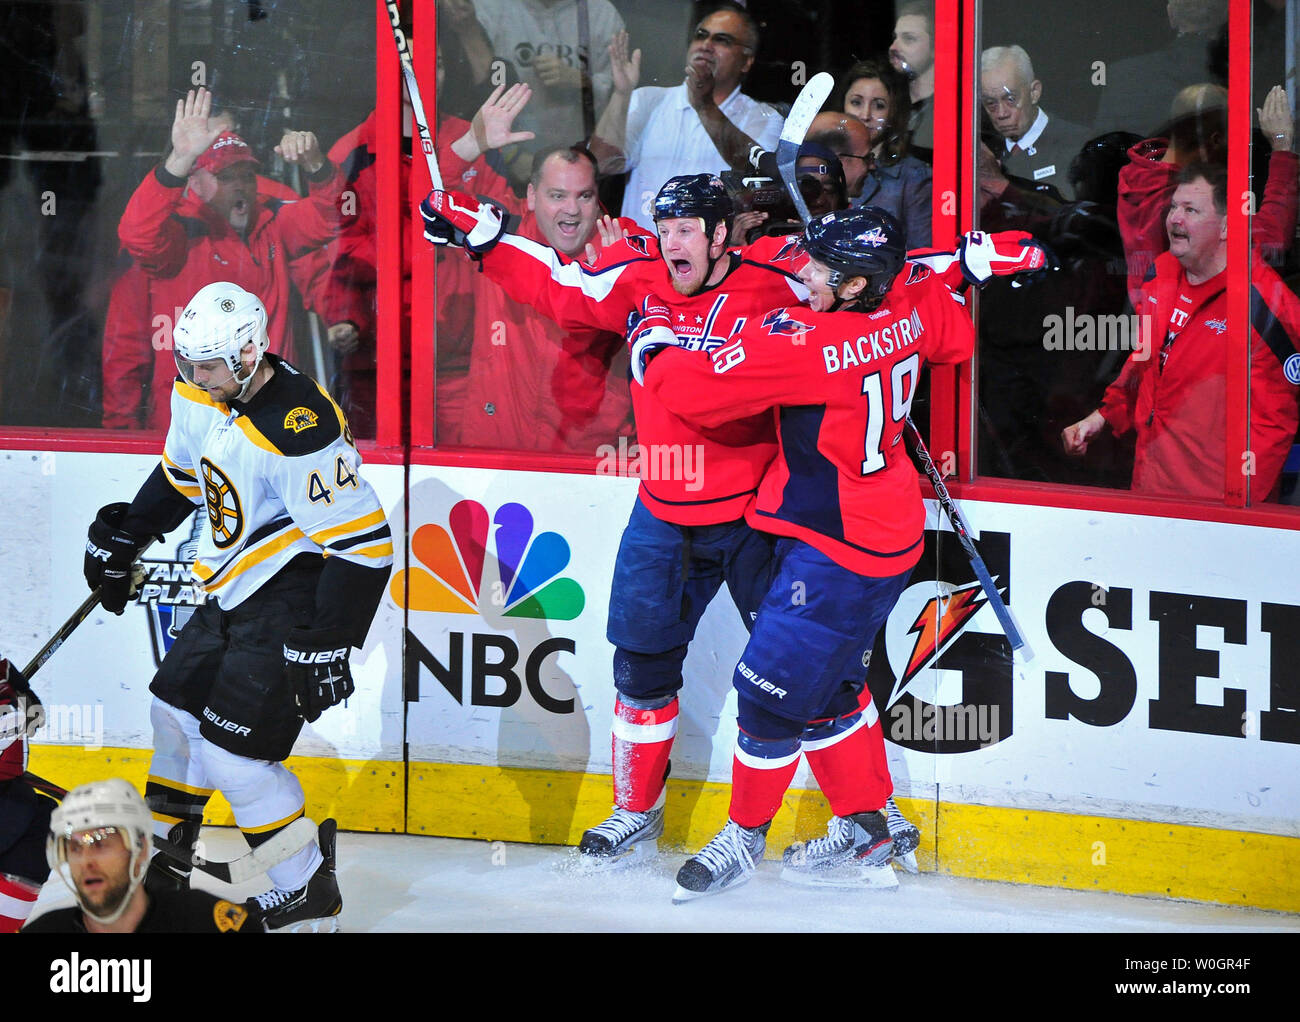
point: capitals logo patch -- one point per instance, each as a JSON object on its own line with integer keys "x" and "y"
{"x": 780, "y": 322}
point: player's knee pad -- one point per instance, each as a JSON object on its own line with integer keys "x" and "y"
{"x": 263, "y": 795}
{"x": 648, "y": 677}
{"x": 178, "y": 787}
{"x": 760, "y": 723}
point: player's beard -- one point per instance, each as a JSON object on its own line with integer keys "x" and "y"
{"x": 110, "y": 898}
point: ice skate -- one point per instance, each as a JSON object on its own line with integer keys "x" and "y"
{"x": 725, "y": 862}
{"x": 906, "y": 835}
{"x": 624, "y": 839}
{"x": 855, "y": 853}
{"x": 312, "y": 908}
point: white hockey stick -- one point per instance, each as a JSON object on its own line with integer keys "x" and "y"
{"x": 289, "y": 841}
{"x": 413, "y": 91}
{"x": 806, "y": 106}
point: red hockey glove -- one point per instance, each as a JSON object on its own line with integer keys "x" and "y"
{"x": 650, "y": 330}
{"x": 1004, "y": 254}
{"x": 455, "y": 218}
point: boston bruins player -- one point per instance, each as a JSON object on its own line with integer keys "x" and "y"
{"x": 98, "y": 844}
{"x": 294, "y": 559}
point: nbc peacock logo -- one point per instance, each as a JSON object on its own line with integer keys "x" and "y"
{"x": 452, "y": 573}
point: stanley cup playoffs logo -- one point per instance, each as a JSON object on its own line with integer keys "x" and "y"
{"x": 941, "y": 668}
{"x": 169, "y": 592}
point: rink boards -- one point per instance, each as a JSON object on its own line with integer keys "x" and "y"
{"x": 1149, "y": 747}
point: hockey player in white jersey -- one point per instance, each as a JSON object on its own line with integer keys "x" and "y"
{"x": 294, "y": 559}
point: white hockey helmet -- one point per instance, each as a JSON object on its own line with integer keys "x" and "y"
{"x": 218, "y": 323}
{"x": 93, "y": 811}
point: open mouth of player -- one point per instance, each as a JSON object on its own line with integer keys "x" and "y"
{"x": 569, "y": 228}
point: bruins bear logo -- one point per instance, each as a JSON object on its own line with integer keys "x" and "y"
{"x": 224, "y": 512}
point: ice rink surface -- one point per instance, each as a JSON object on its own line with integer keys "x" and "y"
{"x": 396, "y": 883}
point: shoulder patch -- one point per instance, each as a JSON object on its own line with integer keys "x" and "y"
{"x": 228, "y": 916}
{"x": 300, "y": 418}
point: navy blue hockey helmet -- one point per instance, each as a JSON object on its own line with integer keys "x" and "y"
{"x": 866, "y": 242}
{"x": 695, "y": 195}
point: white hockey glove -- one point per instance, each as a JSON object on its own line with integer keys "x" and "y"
{"x": 649, "y": 332}
{"x": 316, "y": 666}
{"x": 1004, "y": 254}
{"x": 455, "y": 218}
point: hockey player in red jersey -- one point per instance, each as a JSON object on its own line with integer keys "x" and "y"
{"x": 24, "y": 812}
{"x": 686, "y": 535}
{"x": 836, "y": 377}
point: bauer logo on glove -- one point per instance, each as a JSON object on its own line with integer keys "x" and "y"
{"x": 316, "y": 667}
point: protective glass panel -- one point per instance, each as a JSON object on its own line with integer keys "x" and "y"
{"x": 1086, "y": 115}
{"x": 98, "y": 253}
{"x": 1272, "y": 461}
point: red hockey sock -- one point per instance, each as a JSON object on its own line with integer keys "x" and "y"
{"x": 847, "y": 756}
{"x": 17, "y": 899}
{"x": 643, "y": 740}
{"x": 761, "y": 771}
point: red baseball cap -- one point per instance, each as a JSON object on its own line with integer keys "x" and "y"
{"x": 229, "y": 148}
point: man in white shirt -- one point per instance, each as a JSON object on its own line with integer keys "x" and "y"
{"x": 705, "y": 125}
{"x": 560, "y": 49}
{"x": 1035, "y": 147}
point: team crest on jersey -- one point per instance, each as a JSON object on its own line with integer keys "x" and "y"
{"x": 638, "y": 243}
{"x": 225, "y": 514}
{"x": 938, "y": 632}
{"x": 228, "y": 916}
{"x": 300, "y": 418}
{"x": 1217, "y": 325}
{"x": 779, "y": 322}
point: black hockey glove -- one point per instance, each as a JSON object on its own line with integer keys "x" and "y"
{"x": 110, "y": 555}
{"x": 316, "y": 665}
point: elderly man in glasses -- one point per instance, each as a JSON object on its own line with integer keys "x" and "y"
{"x": 705, "y": 125}
{"x": 1036, "y": 147}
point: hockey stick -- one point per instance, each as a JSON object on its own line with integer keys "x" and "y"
{"x": 413, "y": 91}
{"x": 806, "y": 106}
{"x": 22, "y": 680}
{"x": 962, "y": 528}
{"x": 253, "y": 863}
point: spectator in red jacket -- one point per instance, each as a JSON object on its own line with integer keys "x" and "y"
{"x": 1172, "y": 390}
{"x": 1198, "y": 132}
{"x": 219, "y": 228}
{"x": 532, "y": 385}
{"x": 137, "y": 358}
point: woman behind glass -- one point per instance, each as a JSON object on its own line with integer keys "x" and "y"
{"x": 895, "y": 181}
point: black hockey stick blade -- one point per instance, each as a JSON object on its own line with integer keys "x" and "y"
{"x": 806, "y": 106}
{"x": 1010, "y": 626}
{"x": 253, "y": 863}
